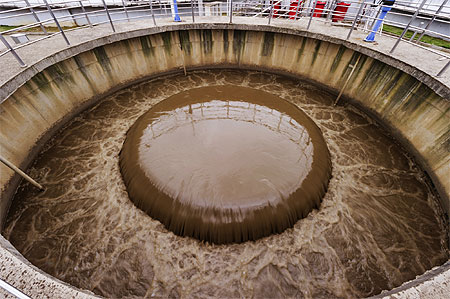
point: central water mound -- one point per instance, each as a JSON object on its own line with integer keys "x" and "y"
{"x": 225, "y": 164}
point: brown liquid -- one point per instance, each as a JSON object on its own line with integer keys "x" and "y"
{"x": 378, "y": 225}
{"x": 223, "y": 164}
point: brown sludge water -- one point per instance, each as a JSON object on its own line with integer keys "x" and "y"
{"x": 378, "y": 224}
{"x": 225, "y": 163}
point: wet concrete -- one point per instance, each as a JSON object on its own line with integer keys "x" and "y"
{"x": 225, "y": 164}
{"x": 378, "y": 226}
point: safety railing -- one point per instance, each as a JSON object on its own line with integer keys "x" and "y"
{"x": 47, "y": 18}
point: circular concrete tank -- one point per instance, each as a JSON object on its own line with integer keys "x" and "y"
{"x": 414, "y": 107}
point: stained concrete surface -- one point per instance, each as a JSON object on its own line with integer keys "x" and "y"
{"x": 32, "y": 281}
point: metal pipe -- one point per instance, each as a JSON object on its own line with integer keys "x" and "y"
{"x": 153, "y": 13}
{"x": 192, "y": 9}
{"x": 407, "y": 26}
{"x": 56, "y": 22}
{"x": 36, "y": 16}
{"x": 356, "y": 18}
{"x": 109, "y": 16}
{"x": 348, "y": 79}
{"x": 432, "y": 20}
{"x": 12, "y": 290}
{"x": 85, "y": 14}
{"x": 443, "y": 69}
{"x": 5, "y": 42}
{"x": 125, "y": 9}
{"x": 312, "y": 13}
{"x": 20, "y": 172}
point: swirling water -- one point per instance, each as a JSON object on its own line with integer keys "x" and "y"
{"x": 378, "y": 226}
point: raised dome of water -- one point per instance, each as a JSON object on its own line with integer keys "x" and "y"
{"x": 225, "y": 163}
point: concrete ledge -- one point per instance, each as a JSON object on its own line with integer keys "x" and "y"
{"x": 38, "y": 100}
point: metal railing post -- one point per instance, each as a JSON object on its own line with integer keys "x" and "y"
{"x": 231, "y": 11}
{"x": 56, "y": 22}
{"x": 125, "y": 9}
{"x": 312, "y": 13}
{"x": 192, "y": 9}
{"x": 356, "y": 18}
{"x": 35, "y": 16}
{"x": 109, "y": 16}
{"x": 443, "y": 69}
{"x": 5, "y": 42}
{"x": 407, "y": 26}
{"x": 296, "y": 11}
{"x": 152, "y": 12}
{"x": 85, "y": 13}
{"x": 432, "y": 20}
{"x": 270, "y": 12}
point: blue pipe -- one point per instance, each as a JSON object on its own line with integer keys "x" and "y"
{"x": 371, "y": 37}
{"x": 175, "y": 8}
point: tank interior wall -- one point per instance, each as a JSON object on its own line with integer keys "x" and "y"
{"x": 410, "y": 108}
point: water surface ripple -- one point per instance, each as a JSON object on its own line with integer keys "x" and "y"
{"x": 378, "y": 225}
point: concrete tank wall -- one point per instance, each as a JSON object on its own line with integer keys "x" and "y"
{"x": 411, "y": 109}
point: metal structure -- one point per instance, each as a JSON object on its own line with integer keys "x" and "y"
{"x": 90, "y": 13}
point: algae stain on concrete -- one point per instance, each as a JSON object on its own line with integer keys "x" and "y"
{"x": 226, "y": 43}
{"x": 302, "y": 49}
{"x": 268, "y": 44}
{"x": 238, "y": 43}
{"x": 337, "y": 58}
{"x": 103, "y": 60}
{"x": 207, "y": 41}
{"x": 316, "y": 51}
{"x": 82, "y": 68}
{"x": 167, "y": 41}
{"x": 147, "y": 47}
{"x": 185, "y": 41}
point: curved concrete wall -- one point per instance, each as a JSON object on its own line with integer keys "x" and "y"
{"x": 413, "y": 111}
{"x": 412, "y": 104}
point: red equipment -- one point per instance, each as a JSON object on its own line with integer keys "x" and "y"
{"x": 318, "y": 11}
{"x": 293, "y": 8}
{"x": 276, "y": 9}
{"x": 340, "y": 11}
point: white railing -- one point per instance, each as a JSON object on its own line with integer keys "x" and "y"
{"x": 68, "y": 15}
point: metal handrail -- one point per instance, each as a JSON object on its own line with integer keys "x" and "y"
{"x": 255, "y": 8}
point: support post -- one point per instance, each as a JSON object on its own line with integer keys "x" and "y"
{"x": 356, "y": 18}
{"x": 109, "y": 16}
{"x": 125, "y": 9}
{"x": 85, "y": 13}
{"x": 348, "y": 79}
{"x": 13, "y": 52}
{"x": 151, "y": 10}
{"x": 407, "y": 26}
{"x": 192, "y": 10}
{"x": 432, "y": 20}
{"x": 231, "y": 11}
{"x": 443, "y": 69}
{"x": 21, "y": 173}
{"x": 270, "y": 12}
{"x": 312, "y": 13}
{"x": 56, "y": 22}
{"x": 36, "y": 16}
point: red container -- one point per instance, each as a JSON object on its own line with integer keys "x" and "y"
{"x": 293, "y": 8}
{"x": 340, "y": 11}
{"x": 318, "y": 11}
{"x": 276, "y": 9}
